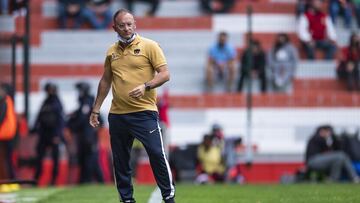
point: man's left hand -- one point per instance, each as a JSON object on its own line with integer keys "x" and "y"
{"x": 137, "y": 92}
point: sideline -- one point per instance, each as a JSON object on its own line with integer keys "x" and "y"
{"x": 155, "y": 196}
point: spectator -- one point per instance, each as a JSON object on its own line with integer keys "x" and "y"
{"x": 221, "y": 6}
{"x": 151, "y": 12}
{"x": 282, "y": 60}
{"x": 348, "y": 68}
{"x": 253, "y": 67}
{"x": 323, "y": 155}
{"x": 343, "y": 7}
{"x": 70, "y": 9}
{"x": 87, "y": 136}
{"x": 217, "y": 135}
{"x": 316, "y": 31}
{"x": 7, "y": 132}
{"x": 49, "y": 125}
{"x": 211, "y": 161}
{"x": 356, "y": 5}
{"x": 98, "y": 13}
{"x": 221, "y": 61}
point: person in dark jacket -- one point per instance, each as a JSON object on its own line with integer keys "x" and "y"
{"x": 257, "y": 69}
{"x": 323, "y": 154}
{"x": 70, "y": 9}
{"x": 154, "y": 6}
{"x": 349, "y": 69}
{"x": 49, "y": 126}
{"x": 98, "y": 13}
{"x": 86, "y": 136}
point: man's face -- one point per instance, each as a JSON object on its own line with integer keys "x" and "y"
{"x": 207, "y": 142}
{"x": 281, "y": 40}
{"x": 124, "y": 25}
{"x": 255, "y": 48}
{"x": 325, "y": 132}
{"x": 222, "y": 39}
{"x": 317, "y": 4}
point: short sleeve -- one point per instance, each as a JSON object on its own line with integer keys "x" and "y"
{"x": 107, "y": 62}
{"x": 156, "y": 56}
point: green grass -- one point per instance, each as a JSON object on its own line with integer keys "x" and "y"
{"x": 186, "y": 193}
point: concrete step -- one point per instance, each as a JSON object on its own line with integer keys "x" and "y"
{"x": 178, "y": 8}
{"x": 7, "y": 23}
{"x": 316, "y": 69}
{"x": 165, "y": 38}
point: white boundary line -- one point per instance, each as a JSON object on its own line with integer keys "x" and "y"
{"x": 155, "y": 196}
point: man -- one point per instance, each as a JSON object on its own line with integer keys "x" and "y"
{"x": 8, "y": 127}
{"x": 221, "y": 61}
{"x": 282, "y": 61}
{"x": 49, "y": 125}
{"x": 86, "y": 136}
{"x": 316, "y": 31}
{"x": 134, "y": 67}
{"x": 210, "y": 160}
{"x": 98, "y": 13}
{"x": 258, "y": 65}
{"x": 70, "y": 9}
{"x": 323, "y": 154}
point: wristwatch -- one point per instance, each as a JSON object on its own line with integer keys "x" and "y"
{"x": 147, "y": 87}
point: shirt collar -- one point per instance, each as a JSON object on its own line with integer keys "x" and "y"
{"x": 136, "y": 40}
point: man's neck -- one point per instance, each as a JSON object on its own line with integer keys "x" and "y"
{"x": 124, "y": 42}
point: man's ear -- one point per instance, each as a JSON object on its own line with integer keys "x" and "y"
{"x": 114, "y": 28}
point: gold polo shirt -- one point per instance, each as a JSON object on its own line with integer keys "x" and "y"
{"x": 131, "y": 67}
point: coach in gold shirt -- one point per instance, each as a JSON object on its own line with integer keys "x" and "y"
{"x": 134, "y": 67}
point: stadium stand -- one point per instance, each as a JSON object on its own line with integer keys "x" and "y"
{"x": 282, "y": 122}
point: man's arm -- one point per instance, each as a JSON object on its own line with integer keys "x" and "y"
{"x": 303, "y": 29}
{"x": 162, "y": 76}
{"x": 102, "y": 92}
{"x": 330, "y": 30}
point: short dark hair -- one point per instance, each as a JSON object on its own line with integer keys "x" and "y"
{"x": 223, "y": 33}
{"x": 285, "y": 36}
{"x": 120, "y": 11}
{"x": 50, "y": 86}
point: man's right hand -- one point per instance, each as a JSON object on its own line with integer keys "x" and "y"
{"x": 94, "y": 120}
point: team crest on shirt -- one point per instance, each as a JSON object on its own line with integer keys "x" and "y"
{"x": 136, "y": 51}
{"x": 114, "y": 56}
